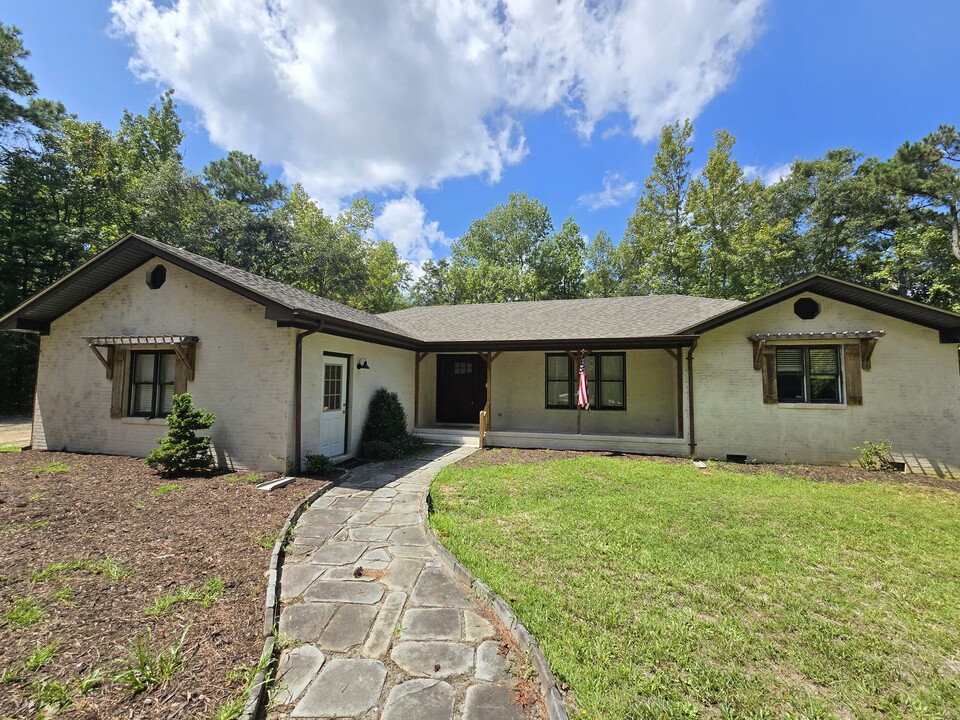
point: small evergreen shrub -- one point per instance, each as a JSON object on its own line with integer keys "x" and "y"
{"x": 386, "y": 419}
{"x": 181, "y": 450}
{"x": 385, "y": 435}
{"x": 379, "y": 450}
{"x": 318, "y": 464}
{"x": 877, "y": 456}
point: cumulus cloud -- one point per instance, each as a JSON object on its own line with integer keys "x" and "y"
{"x": 768, "y": 175}
{"x": 403, "y": 221}
{"x": 366, "y": 96}
{"x": 616, "y": 191}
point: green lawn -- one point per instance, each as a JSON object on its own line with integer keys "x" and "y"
{"x": 662, "y": 591}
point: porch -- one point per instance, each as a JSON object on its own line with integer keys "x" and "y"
{"x": 526, "y": 399}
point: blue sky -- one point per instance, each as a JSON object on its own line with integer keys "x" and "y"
{"x": 438, "y": 115}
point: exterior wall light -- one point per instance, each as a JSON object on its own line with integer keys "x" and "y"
{"x": 362, "y": 364}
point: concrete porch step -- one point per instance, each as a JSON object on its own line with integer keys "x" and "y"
{"x": 462, "y": 436}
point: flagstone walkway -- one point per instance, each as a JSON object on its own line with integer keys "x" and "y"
{"x": 378, "y": 628}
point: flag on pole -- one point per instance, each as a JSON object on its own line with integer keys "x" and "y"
{"x": 583, "y": 395}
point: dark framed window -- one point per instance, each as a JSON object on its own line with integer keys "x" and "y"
{"x": 809, "y": 374}
{"x": 152, "y": 374}
{"x": 606, "y": 381}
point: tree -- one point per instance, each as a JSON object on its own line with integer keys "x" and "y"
{"x": 388, "y": 276}
{"x": 559, "y": 264}
{"x": 659, "y": 253}
{"x": 723, "y": 210}
{"x": 928, "y": 172}
{"x": 20, "y": 109}
{"x": 601, "y": 280}
{"x": 435, "y": 285}
{"x": 504, "y": 255}
{"x": 181, "y": 450}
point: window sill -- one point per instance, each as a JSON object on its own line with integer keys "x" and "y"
{"x": 143, "y": 421}
{"x": 812, "y": 406}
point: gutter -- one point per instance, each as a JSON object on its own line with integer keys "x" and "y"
{"x": 298, "y": 393}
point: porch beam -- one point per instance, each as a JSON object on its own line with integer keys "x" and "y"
{"x": 183, "y": 352}
{"x": 416, "y": 389}
{"x": 758, "y": 346}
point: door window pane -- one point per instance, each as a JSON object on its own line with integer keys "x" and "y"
{"x": 332, "y": 387}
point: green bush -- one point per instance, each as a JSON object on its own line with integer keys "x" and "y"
{"x": 379, "y": 450}
{"x": 386, "y": 419}
{"x": 385, "y": 435}
{"x": 876, "y": 456}
{"x": 181, "y": 450}
{"x": 318, "y": 464}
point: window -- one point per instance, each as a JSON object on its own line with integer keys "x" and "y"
{"x": 332, "y": 387}
{"x": 606, "y": 377}
{"x": 808, "y": 374}
{"x": 152, "y": 376}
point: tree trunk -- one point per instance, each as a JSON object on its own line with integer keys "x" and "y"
{"x": 954, "y": 231}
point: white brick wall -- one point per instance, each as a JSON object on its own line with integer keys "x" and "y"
{"x": 911, "y": 396}
{"x": 244, "y": 370}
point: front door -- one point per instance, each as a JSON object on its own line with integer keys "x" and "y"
{"x": 461, "y": 388}
{"x": 333, "y": 419}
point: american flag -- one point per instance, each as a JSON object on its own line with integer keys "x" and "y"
{"x": 583, "y": 395}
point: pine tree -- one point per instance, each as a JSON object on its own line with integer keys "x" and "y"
{"x": 181, "y": 450}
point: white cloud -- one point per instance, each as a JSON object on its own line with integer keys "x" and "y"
{"x": 367, "y": 96}
{"x": 403, "y": 222}
{"x": 616, "y": 191}
{"x": 768, "y": 175}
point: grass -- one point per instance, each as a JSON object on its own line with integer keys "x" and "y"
{"x": 660, "y": 591}
{"x": 205, "y": 595}
{"x": 248, "y": 478}
{"x": 108, "y": 567}
{"x": 53, "y": 467}
{"x": 51, "y": 693}
{"x": 28, "y": 526}
{"x": 41, "y": 656}
{"x": 25, "y": 611}
{"x": 142, "y": 669}
{"x": 9, "y": 448}
{"x": 265, "y": 540}
{"x": 232, "y": 709}
{"x": 171, "y": 487}
{"x": 10, "y": 675}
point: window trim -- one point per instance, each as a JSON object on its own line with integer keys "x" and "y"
{"x": 594, "y": 384}
{"x": 155, "y": 383}
{"x": 807, "y": 376}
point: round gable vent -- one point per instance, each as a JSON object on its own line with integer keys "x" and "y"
{"x": 806, "y": 308}
{"x": 156, "y": 277}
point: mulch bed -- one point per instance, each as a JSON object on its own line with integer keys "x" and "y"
{"x": 815, "y": 473}
{"x": 218, "y": 527}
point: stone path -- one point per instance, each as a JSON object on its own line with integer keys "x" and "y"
{"x": 376, "y": 627}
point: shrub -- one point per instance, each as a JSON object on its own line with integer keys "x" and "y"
{"x": 876, "y": 456}
{"x": 386, "y": 419}
{"x": 318, "y": 464}
{"x": 181, "y": 450}
{"x": 379, "y": 450}
{"x": 385, "y": 435}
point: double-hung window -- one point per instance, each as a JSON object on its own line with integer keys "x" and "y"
{"x": 606, "y": 381}
{"x": 152, "y": 376}
{"x": 808, "y": 374}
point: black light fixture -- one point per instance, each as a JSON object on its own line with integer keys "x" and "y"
{"x": 362, "y": 364}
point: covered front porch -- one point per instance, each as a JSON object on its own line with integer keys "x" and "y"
{"x": 526, "y": 398}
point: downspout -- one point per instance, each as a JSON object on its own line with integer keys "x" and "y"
{"x": 297, "y": 392}
{"x": 693, "y": 434}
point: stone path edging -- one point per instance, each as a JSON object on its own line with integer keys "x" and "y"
{"x": 526, "y": 641}
{"x": 257, "y": 693}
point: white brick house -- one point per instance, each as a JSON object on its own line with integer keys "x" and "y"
{"x": 803, "y": 374}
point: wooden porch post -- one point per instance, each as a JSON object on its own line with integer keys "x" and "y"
{"x": 416, "y": 390}
{"x": 678, "y": 356}
{"x": 485, "y": 419}
{"x": 693, "y": 436}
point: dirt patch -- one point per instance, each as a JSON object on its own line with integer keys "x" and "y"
{"x": 815, "y": 473}
{"x": 131, "y": 538}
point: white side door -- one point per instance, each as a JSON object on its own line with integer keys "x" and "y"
{"x": 333, "y": 419}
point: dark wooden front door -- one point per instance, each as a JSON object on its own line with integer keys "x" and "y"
{"x": 461, "y": 388}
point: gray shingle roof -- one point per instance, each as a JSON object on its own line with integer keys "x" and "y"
{"x": 599, "y": 318}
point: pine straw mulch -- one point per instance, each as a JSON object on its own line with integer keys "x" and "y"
{"x": 105, "y": 508}
{"x": 814, "y": 473}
